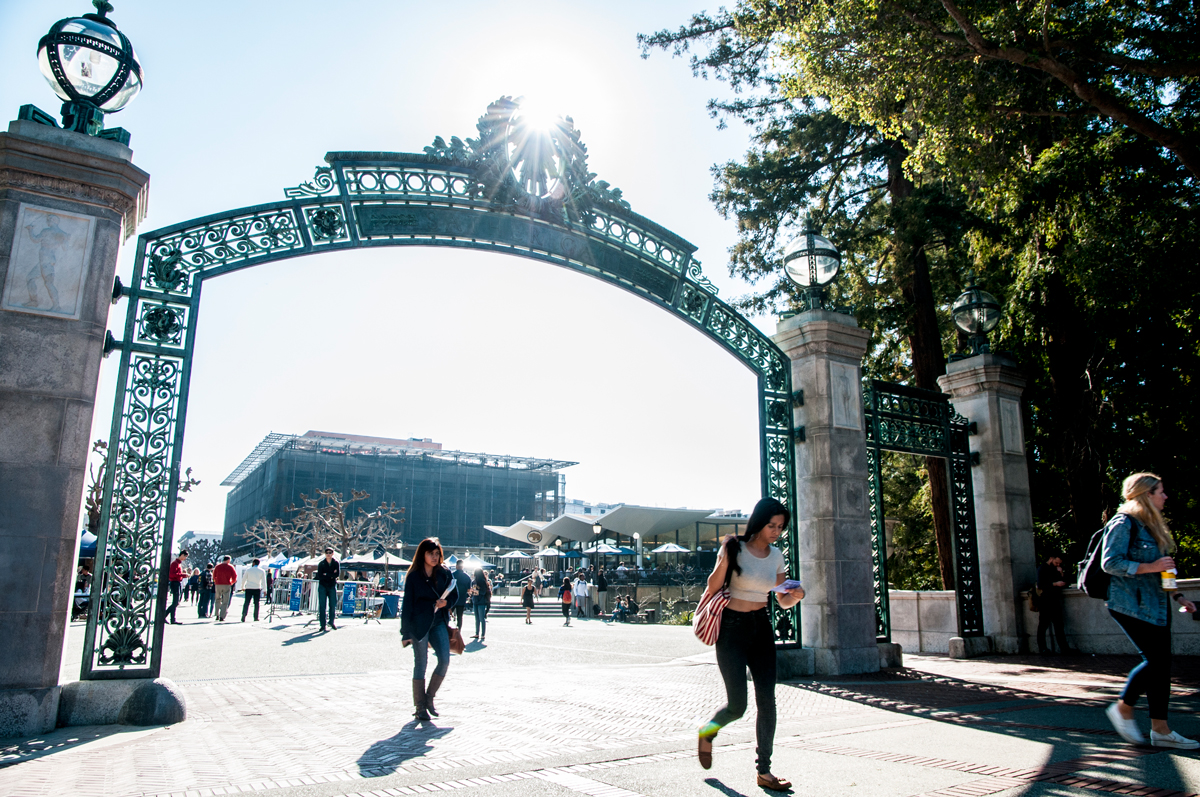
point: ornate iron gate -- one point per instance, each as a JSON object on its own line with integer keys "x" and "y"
{"x": 505, "y": 191}
{"x": 924, "y": 423}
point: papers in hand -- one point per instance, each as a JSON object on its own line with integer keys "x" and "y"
{"x": 788, "y": 584}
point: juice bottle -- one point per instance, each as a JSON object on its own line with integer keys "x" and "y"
{"x": 1168, "y": 579}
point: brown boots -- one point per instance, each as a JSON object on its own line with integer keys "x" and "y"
{"x": 435, "y": 683}
{"x": 423, "y": 698}
{"x": 419, "y": 698}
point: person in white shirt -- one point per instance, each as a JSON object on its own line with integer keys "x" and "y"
{"x": 254, "y": 582}
{"x": 582, "y": 592}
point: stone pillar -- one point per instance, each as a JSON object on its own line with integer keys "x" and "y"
{"x": 838, "y": 620}
{"x": 986, "y": 389}
{"x": 67, "y": 200}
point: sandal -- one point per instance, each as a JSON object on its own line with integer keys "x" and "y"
{"x": 704, "y": 752}
{"x": 769, "y": 781}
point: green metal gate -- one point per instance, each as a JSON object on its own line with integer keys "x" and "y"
{"x": 923, "y": 423}
{"x": 512, "y": 190}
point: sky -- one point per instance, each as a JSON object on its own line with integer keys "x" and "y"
{"x": 481, "y": 352}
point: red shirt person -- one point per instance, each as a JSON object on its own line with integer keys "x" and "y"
{"x": 224, "y": 576}
{"x": 174, "y": 584}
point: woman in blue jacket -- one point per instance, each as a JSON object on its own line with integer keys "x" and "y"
{"x": 429, "y": 590}
{"x": 1137, "y": 548}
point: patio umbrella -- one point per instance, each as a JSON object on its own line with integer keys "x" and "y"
{"x": 549, "y": 552}
{"x": 670, "y": 547}
{"x": 516, "y": 555}
{"x": 604, "y": 547}
{"x": 87, "y": 545}
{"x": 572, "y": 555}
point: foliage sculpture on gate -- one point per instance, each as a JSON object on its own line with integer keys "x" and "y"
{"x": 522, "y": 188}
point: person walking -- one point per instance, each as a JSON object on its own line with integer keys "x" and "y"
{"x": 328, "y": 570}
{"x": 582, "y": 593}
{"x": 208, "y": 587}
{"x": 566, "y": 598}
{"x": 193, "y": 585}
{"x": 1050, "y": 583}
{"x": 425, "y": 621}
{"x": 225, "y": 576}
{"x": 527, "y": 598}
{"x": 462, "y": 586}
{"x": 1137, "y": 549}
{"x": 752, "y": 567}
{"x": 254, "y": 581}
{"x": 481, "y": 599}
{"x": 175, "y": 578}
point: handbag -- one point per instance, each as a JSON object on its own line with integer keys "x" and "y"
{"x": 706, "y": 622}
{"x": 456, "y": 642}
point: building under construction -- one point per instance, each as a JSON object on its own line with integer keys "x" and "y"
{"x": 446, "y": 494}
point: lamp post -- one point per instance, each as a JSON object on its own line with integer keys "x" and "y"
{"x": 976, "y": 312}
{"x": 92, "y": 67}
{"x": 811, "y": 261}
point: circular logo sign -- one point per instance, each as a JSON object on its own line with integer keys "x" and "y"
{"x": 534, "y": 536}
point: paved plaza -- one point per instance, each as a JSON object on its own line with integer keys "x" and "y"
{"x": 595, "y": 709}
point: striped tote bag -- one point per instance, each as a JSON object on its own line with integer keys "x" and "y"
{"x": 706, "y": 622}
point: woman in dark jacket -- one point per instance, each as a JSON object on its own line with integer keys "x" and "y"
{"x": 1137, "y": 550}
{"x": 425, "y": 621}
{"x": 481, "y": 599}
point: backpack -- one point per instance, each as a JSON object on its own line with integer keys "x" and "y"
{"x": 1092, "y": 578}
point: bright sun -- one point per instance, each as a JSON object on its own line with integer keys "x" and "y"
{"x": 536, "y": 114}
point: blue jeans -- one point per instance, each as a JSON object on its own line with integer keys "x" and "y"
{"x": 329, "y": 594}
{"x": 481, "y": 611}
{"x": 439, "y": 639}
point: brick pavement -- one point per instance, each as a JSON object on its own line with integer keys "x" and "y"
{"x": 579, "y": 729}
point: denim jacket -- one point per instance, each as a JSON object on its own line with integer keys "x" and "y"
{"x": 1127, "y": 543}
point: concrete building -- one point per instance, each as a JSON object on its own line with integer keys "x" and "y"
{"x": 447, "y": 494}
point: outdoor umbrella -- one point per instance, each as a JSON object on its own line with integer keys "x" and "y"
{"x": 604, "y": 547}
{"x": 549, "y": 552}
{"x": 670, "y": 547}
{"x": 87, "y": 546}
{"x": 516, "y": 555}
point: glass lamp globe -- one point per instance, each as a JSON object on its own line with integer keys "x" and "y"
{"x": 87, "y": 60}
{"x": 811, "y": 261}
{"x": 976, "y": 311}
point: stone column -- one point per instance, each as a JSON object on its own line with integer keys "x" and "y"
{"x": 67, "y": 200}
{"x": 838, "y": 612}
{"x": 986, "y": 389}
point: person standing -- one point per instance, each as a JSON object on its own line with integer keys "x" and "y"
{"x": 527, "y": 598}
{"x": 582, "y": 593}
{"x": 175, "y": 578}
{"x": 224, "y": 576}
{"x": 425, "y": 621}
{"x": 462, "y": 587}
{"x": 193, "y": 585}
{"x": 602, "y": 590}
{"x": 1050, "y": 583}
{"x": 208, "y": 587}
{"x": 1137, "y": 549}
{"x": 752, "y": 567}
{"x": 328, "y": 570}
{"x": 566, "y": 598}
{"x": 481, "y": 598}
{"x": 254, "y": 581}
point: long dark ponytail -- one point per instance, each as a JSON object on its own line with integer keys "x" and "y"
{"x": 764, "y": 510}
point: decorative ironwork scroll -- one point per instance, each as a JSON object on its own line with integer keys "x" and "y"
{"x": 498, "y": 193}
{"x": 923, "y": 422}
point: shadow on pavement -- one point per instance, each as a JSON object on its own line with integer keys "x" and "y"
{"x": 412, "y": 741}
{"x": 302, "y": 638}
{"x": 721, "y": 787}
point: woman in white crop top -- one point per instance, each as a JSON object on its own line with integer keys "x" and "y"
{"x": 751, "y": 566}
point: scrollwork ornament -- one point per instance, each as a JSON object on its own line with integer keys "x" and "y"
{"x": 164, "y": 270}
{"x": 322, "y": 183}
{"x": 326, "y": 223}
{"x": 696, "y": 275}
{"x": 162, "y": 324}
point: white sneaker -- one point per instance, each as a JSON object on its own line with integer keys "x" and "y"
{"x": 1126, "y": 729}
{"x": 1173, "y": 739}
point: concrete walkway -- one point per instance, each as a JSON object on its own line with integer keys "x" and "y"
{"x": 594, "y": 709}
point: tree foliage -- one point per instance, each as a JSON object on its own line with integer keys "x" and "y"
{"x": 1050, "y": 149}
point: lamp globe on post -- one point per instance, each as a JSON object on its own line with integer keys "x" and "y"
{"x": 811, "y": 261}
{"x": 91, "y": 66}
{"x": 976, "y": 312}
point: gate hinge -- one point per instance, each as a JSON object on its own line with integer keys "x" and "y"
{"x": 119, "y": 290}
{"x": 974, "y": 458}
{"x": 798, "y": 398}
{"x": 972, "y": 428}
{"x": 798, "y": 434}
{"x": 110, "y": 343}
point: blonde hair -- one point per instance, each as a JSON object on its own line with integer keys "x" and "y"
{"x": 1136, "y": 491}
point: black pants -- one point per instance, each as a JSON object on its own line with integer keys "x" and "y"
{"x": 174, "y": 588}
{"x": 1152, "y": 677}
{"x": 1050, "y": 618}
{"x": 746, "y": 640}
{"x": 458, "y": 611}
{"x": 251, "y": 595}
